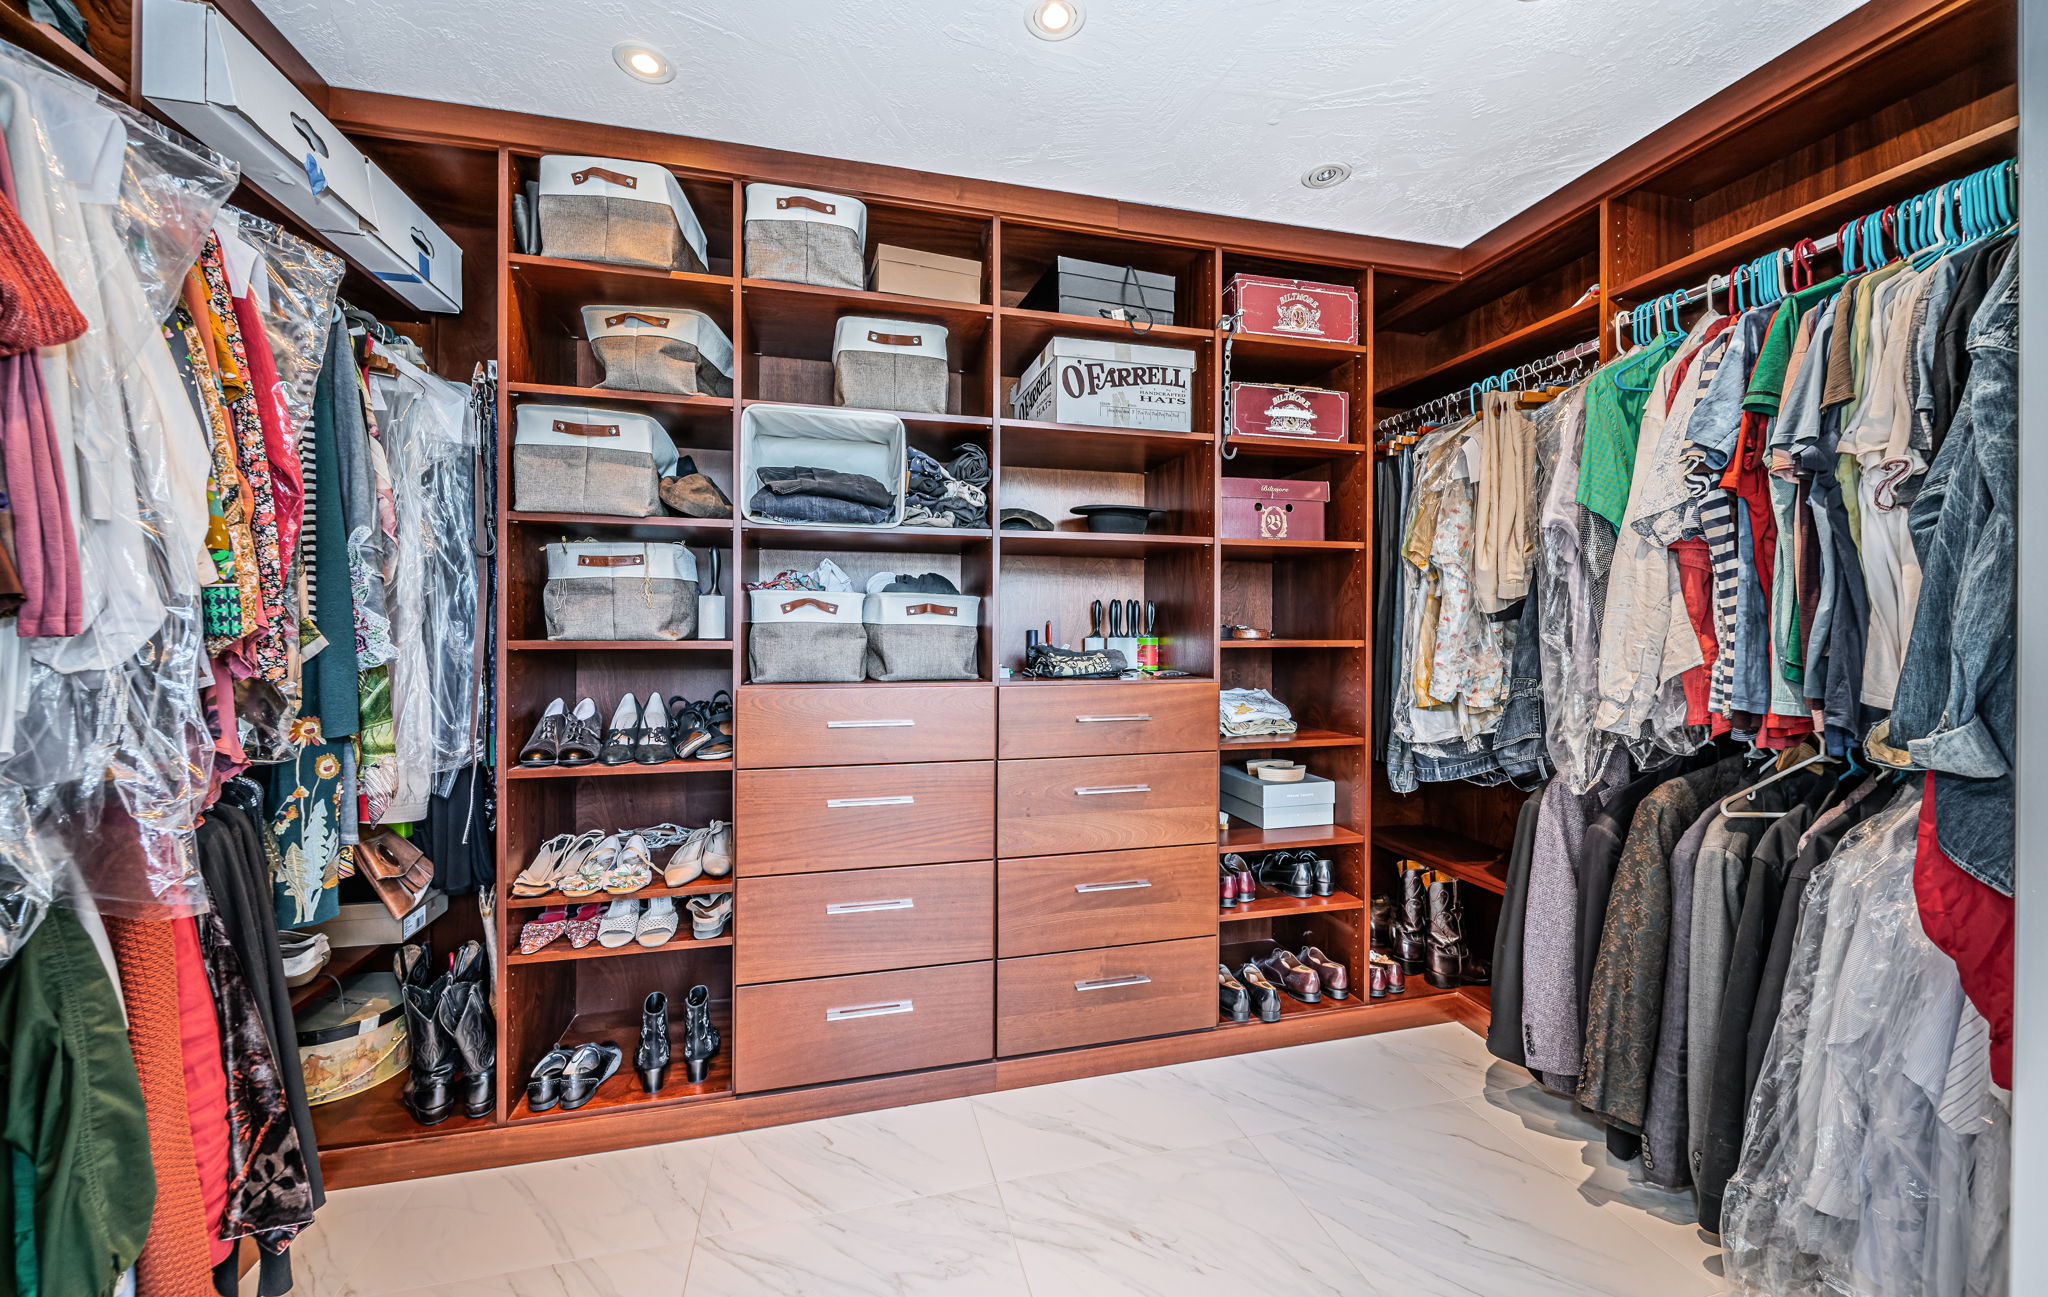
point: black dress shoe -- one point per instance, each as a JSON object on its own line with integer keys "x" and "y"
{"x": 656, "y": 735}
{"x": 544, "y": 1083}
{"x": 1265, "y": 997}
{"x": 1288, "y": 874}
{"x": 589, "y": 1067}
{"x": 1235, "y": 1001}
{"x": 622, "y": 736}
{"x": 1325, "y": 874}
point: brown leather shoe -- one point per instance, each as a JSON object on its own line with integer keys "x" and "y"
{"x": 1292, "y": 976}
{"x": 1336, "y": 978}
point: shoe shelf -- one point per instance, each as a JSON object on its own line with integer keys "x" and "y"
{"x": 562, "y": 952}
{"x": 377, "y": 1116}
{"x": 1269, "y": 904}
{"x": 1474, "y": 862}
{"x": 1244, "y": 838}
{"x": 597, "y": 771}
{"x": 623, "y": 1090}
{"x": 341, "y": 963}
{"x": 1301, "y": 738}
{"x": 549, "y": 900}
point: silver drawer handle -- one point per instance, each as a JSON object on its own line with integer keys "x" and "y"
{"x": 837, "y": 802}
{"x": 869, "y": 907}
{"x": 1113, "y": 887}
{"x": 1114, "y": 788}
{"x": 868, "y": 725}
{"x": 882, "y": 1010}
{"x": 1105, "y": 720}
{"x": 1105, "y": 983}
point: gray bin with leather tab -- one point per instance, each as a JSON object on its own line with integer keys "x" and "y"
{"x": 584, "y": 459}
{"x": 620, "y": 591}
{"x": 619, "y": 213}
{"x": 804, "y": 236}
{"x": 659, "y": 349}
{"x": 889, "y": 365}
{"x": 922, "y": 636}
{"x": 805, "y": 637}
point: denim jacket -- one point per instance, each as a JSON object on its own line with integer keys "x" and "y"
{"x": 1955, "y": 706}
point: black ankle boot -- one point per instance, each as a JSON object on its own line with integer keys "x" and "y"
{"x": 1411, "y": 919}
{"x": 1451, "y": 962}
{"x": 652, "y": 1058}
{"x": 700, "y": 1038}
{"x": 464, "y": 1015}
{"x": 429, "y": 1088}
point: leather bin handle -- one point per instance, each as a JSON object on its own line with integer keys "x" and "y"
{"x": 604, "y": 173}
{"x": 801, "y": 200}
{"x": 895, "y": 339}
{"x": 611, "y": 560}
{"x": 586, "y": 429}
{"x": 830, "y": 609}
{"x": 651, "y": 321}
{"x": 939, "y": 609}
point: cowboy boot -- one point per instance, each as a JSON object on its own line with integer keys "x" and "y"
{"x": 1451, "y": 961}
{"x": 1411, "y": 920}
{"x": 429, "y": 1090}
{"x": 475, "y": 1031}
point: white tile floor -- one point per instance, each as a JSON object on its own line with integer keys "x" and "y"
{"x": 1404, "y": 1165}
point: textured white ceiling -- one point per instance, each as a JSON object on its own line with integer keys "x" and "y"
{"x": 1456, "y": 114}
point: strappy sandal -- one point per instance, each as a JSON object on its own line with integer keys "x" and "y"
{"x": 709, "y": 915}
{"x": 658, "y": 922}
{"x": 622, "y": 736}
{"x": 692, "y": 726}
{"x": 582, "y": 929}
{"x": 621, "y": 920}
{"x": 660, "y": 837}
{"x": 539, "y": 932}
{"x": 587, "y": 879}
{"x": 717, "y": 717}
{"x": 544, "y": 745}
{"x": 657, "y": 736}
{"x": 633, "y": 868}
{"x": 538, "y": 878}
{"x": 580, "y": 745}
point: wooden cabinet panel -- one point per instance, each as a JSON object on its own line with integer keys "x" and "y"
{"x": 833, "y": 1028}
{"x": 1074, "y": 804}
{"x": 1088, "y": 997}
{"x": 1088, "y": 719}
{"x": 1050, "y": 903}
{"x": 864, "y": 921}
{"x": 782, "y": 725}
{"x": 856, "y": 817}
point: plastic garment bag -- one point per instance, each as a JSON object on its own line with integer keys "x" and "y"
{"x": 1874, "y": 1158}
{"x": 121, "y": 206}
{"x": 1567, "y": 580}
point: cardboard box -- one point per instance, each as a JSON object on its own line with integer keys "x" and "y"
{"x": 1293, "y": 308}
{"x": 1278, "y": 817}
{"x": 368, "y": 923}
{"x": 1274, "y": 508}
{"x": 1109, "y": 384}
{"x": 924, "y": 274}
{"x": 1309, "y": 790}
{"x": 1277, "y": 410}
{"x": 1074, "y": 286}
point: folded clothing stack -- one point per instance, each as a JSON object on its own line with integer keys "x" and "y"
{"x": 953, "y": 494}
{"x": 1243, "y": 712}
{"x": 803, "y": 494}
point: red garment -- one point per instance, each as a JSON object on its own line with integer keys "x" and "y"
{"x": 1696, "y": 584}
{"x": 280, "y": 437}
{"x": 1973, "y": 925}
{"x": 206, "y": 1082}
{"x": 36, "y": 309}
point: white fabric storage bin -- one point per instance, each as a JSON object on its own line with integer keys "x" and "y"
{"x": 841, "y": 441}
{"x": 620, "y": 213}
{"x": 804, "y": 236}
{"x": 805, "y": 637}
{"x": 889, "y": 364}
{"x": 581, "y": 459}
{"x": 922, "y": 636}
{"x": 629, "y": 590}
{"x": 659, "y": 349}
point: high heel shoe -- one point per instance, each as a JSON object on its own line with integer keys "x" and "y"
{"x": 622, "y": 737}
{"x": 652, "y": 748}
{"x": 700, "y": 1037}
{"x": 652, "y": 1059}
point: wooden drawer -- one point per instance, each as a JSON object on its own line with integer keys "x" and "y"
{"x": 1088, "y": 997}
{"x": 805, "y": 1033}
{"x": 851, "y": 725}
{"x": 1083, "y": 719}
{"x": 1054, "y": 903}
{"x": 855, "y": 817}
{"x": 1075, "y": 804}
{"x": 864, "y": 921}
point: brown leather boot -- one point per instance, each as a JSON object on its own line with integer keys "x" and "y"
{"x": 1411, "y": 920}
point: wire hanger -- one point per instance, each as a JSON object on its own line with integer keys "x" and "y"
{"x": 1748, "y": 795}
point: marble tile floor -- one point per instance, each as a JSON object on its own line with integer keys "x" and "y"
{"x": 1410, "y": 1164}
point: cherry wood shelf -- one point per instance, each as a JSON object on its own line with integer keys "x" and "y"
{"x": 619, "y": 645}
{"x": 562, "y": 952}
{"x": 1236, "y": 548}
{"x": 597, "y": 770}
{"x": 773, "y": 296}
{"x": 1294, "y": 447}
{"x": 1033, "y": 443}
{"x": 897, "y": 540}
{"x": 50, "y": 43}
{"x": 1292, "y": 643}
{"x": 549, "y": 900}
{"x": 1577, "y": 323}
{"x": 344, "y": 961}
{"x": 1247, "y": 839}
{"x": 662, "y": 525}
{"x": 1453, "y": 853}
{"x": 377, "y": 1116}
{"x": 601, "y": 395}
{"x": 1313, "y": 361}
{"x": 1025, "y": 334}
{"x": 1097, "y": 543}
{"x": 622, "y": 1091}
{"x": 1301, "y": 738}
{"x": 936, "y": 423}
{"x": 1269, "y": 904}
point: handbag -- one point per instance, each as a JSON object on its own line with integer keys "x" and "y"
{"x": 1051, "y": 662}
{"x": 399, "y": 872}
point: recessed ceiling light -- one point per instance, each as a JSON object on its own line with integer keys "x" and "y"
{"x": 643, "y": 62}
{"x": 1326, "y": 175}
{"x": 1054, "y": 20}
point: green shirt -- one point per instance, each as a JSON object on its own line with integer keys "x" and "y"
{"x": 1614, "y": 418}
{"x": 1767, "y": 379}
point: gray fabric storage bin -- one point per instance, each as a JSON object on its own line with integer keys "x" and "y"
{"x": 620, "y": 213}
{"x": 804, "y": 236}
{"x": 805, "y": 637}
{"x": 922, "y": 636}
{"x": 624, "y": 591}
{"x": 583, "y": 459}
{"x": 889, "y": 365}
{"x": 659, "y": 349}
{"x": 843, "y": 441}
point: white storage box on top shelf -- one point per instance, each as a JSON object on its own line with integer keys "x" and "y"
{"x": 618, "y": 213}
{"x": 213, "y": 81}
{"x": 865, "y": 442}
{"x": 1109, "y": 384}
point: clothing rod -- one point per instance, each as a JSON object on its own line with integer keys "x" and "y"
{"x": 1449, "y": 399}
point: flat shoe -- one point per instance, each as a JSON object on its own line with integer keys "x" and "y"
{"x": 622, "y": 736}
{"x": 621, "y": 921}
{"x": 544, "y": 1083}
{"x": 589, "y": 1067}
{"x": 580, "y": 743}
{"x": 537, "y": 933}
{"x": 544, "y": 745}
{"x": 718, "y": 849}
{"x": 656, "y": 737}
{"x": 686, "y": 866}
{"x": 582, "y": 929}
